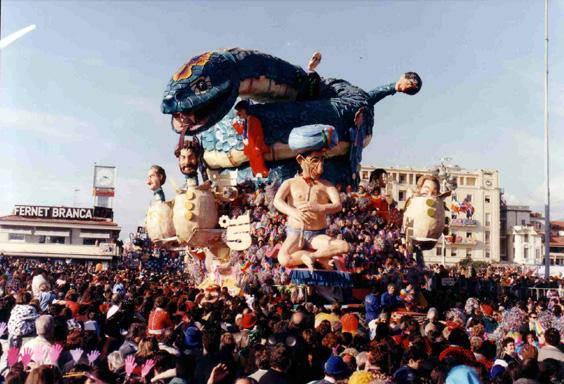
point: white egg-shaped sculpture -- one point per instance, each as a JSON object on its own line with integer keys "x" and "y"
{"x": 159, "y": 223}
{"x": 194, "y": 209}
{"x": 424, "y": 219}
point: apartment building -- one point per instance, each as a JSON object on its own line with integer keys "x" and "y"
{"x": 474, "y": 211}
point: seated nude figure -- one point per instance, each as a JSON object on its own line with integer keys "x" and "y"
{"x": 307, "y": 199}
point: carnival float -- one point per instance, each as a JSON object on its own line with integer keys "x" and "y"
{"x": 248, "y": 118}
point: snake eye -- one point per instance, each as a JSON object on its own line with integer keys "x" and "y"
{"x": 202, "y": 85}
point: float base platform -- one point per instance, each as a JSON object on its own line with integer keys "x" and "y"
{"x": 321, "y": 277}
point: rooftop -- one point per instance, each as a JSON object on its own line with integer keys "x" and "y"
{"x": 20, "y": 219}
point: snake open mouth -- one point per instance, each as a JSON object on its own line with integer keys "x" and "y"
{"x": 196, "y": 119}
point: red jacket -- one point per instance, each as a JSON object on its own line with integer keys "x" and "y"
{"x": 255, "y": 136}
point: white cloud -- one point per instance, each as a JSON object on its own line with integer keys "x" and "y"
{"x": 59, "y": 126}
{"x": 536, "y": 198}
{"x": 149, "y": 107}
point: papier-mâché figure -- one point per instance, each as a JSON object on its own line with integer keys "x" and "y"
{"x": 159, "y": 215}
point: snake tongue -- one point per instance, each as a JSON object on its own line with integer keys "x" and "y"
{"x": 190, "y": 117}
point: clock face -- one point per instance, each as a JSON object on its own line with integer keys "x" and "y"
{"x": 488, "y": 183}
{"x": 104, "y": 178}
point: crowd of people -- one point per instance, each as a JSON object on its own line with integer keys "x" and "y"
{"x": 146, "y": 319}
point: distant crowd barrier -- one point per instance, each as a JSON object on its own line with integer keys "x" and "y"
{"x": 537, "y": 293}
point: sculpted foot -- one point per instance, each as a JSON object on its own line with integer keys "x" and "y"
{"x": 308, "y": 261}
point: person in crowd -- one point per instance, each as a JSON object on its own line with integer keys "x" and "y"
{"x": 335, "y": 369}
{"x": 280, "y": 360}
{"x": 272, "y": 332}
{"x": 44, "y": 327}
{"x": 553, "y": 347}
{"x": 409, "y": 373}
{"x": 159, "y": 318}
{"x": 22, "y": 319}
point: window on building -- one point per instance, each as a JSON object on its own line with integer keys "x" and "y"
{"x": 42, "y": 239}
{"x": 453, "y": 252}
{"x": 525, "y": 253}
{"x": 56, "y": 239}
{"x": 439, "y": 251}
{"x": 460, "y": 180}
{"x": 402, "y": 178}
{"x": 468, "y": 253}
{"x": 401, "y": 196}
{"x": 487, "y": 237}
{"x": 487, "y": 199}
{"x": 468, "y": 235}
{"x": 16, "y": 237}
{"x": 526, "y": 238}
{"x": 523, "y": 222}
{"x": 411, "y": 178}
{"x": 365, "y": 175}
{"x": 487, "y": 254}
{"x": 469, "y": 198}
{"x": 89, "y": 241}
{"x": 471, "y": 181}
{"x": 488, "y": 219}
{"x": 537, "y": 254}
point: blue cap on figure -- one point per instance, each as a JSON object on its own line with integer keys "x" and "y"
{"x": 315, "y": 137}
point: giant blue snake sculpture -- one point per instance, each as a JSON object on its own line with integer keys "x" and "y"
{"x": 204, "y": 90}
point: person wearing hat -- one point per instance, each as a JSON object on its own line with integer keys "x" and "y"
{"x": 350, "y": 323}
{"x": 307, "y": 199}
{"x": 159, "y": 318}
{"x": 248, "y": 321}
{"x": 193, "y": 340}
{"x": 335, "y": 369}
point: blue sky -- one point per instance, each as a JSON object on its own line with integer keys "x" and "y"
{"x": 86, "y": 86}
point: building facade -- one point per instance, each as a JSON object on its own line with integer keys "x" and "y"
{"x": 474, "y": 212}
{"x": 557, "y": 243}
{"x": 521, "y": 239}
{"x": 58, "y": 232}
{"x": 525, "y": 245}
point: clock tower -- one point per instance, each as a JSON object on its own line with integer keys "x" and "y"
{"x": 104, "y": 185}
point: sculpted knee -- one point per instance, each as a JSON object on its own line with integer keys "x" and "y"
{"x": 283, "y": 260}
{"x": 345, "y": 247}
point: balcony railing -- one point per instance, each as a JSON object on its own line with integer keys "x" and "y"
{"x": 463, "y": 223}
{"x": 462, "y": 241}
